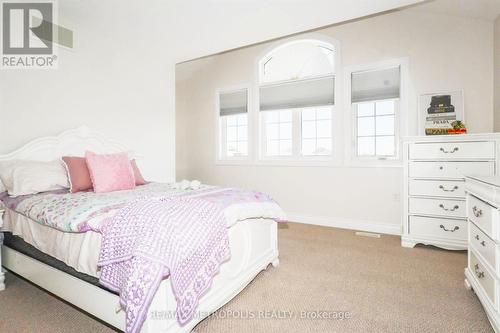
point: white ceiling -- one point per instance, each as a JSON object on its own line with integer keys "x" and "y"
{"x": 205, "y": 27}
{"x": 479, "y": 9}
{"x": 190, "y": 29}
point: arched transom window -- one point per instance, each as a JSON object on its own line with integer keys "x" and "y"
{"x": 297, "y": 60}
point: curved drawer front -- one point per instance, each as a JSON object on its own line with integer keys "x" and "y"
{"x": 483, "y": 276}
{"x": 441, "y": 207}
{"x": 430, "y": 227}
{"x": 453, "y": 150}
{"x": 482, "y": 214}
{"x": 483, "y": 245}
{"x": 437, "y": 188}
{"x": 451, "y": 170}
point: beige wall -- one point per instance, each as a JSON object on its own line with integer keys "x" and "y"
{"x": 497, "y": 74}
{"x": 445, "y": 53}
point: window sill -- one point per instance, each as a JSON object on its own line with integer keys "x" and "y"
{"x": 312, "y": 163}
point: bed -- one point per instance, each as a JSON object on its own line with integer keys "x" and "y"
{"x": 69, "y": 269}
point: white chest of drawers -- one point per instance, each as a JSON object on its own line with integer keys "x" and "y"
{"x": 435, "y": 167}
{"x": 483, "y": 268}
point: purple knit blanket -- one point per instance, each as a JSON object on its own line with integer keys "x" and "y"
{"x": 146, "y": 241}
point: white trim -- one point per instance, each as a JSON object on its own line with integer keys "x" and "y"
{"x": 346, "y": 223}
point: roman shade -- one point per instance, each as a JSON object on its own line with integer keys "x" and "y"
{"x": 234, "y": 102}
{"x": 375, "y": 85}
{"x": 298, "y": 94}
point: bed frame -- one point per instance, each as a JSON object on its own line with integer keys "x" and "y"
{"x": 253, "y": 247}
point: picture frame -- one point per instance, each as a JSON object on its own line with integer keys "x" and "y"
{"x": 440, "y": 106}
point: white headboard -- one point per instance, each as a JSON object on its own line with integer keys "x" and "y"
{"x": 73, "y": 142}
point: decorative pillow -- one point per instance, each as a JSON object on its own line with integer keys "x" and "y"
{"x": 110, "y": 172}
{"x": 139, "y": 180}
{"x": 22, "y": 177}
{"x": 78, "y": 173}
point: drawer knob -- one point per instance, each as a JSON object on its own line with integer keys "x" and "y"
{"x": 448, "y": 151}
{"x": 479, "y": 274}
{"x": 455, "y": 228}
{"x": 441, "y": 167}
{"x": 448, "y": 190}
{"x": 477, "y": 237}
{"x": 483, "y": 243}
{"x": 449, "y": 209}
{"x": 477, "y": 212}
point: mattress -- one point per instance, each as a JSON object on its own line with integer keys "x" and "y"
{"x": 77, "y": 250}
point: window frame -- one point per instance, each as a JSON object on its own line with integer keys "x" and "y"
{"x": 296, "y": 159}
{"x": 400, "y": 119}
{"x": 221, "y": 127}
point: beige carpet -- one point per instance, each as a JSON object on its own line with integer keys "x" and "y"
{"x": 376, "y": 284}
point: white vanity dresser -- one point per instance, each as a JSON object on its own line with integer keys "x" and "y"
{"x": 434, "y": 185}
{"x": 483, "y": 270}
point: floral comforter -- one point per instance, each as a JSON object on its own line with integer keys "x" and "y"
{"x": 84, "y": 211}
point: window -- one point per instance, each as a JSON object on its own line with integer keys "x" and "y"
{"x": 376, "y": 128}
{"x": 279, "y": 133}
{"x": 375, "y": 100}
{"x": 296, "y": 99}
{"x": 316, "y": 131}
{"x": 294, "y": 119}
{"x": 236, "y": 135}
{"x": 297, "y": 60}
{"x": 233, "y": 123}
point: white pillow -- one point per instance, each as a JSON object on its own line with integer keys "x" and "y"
{"x": 21, "y": 177}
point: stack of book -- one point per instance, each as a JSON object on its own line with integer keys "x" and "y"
{"x": 441, "y": 125}
{"x": 437, "y": 124}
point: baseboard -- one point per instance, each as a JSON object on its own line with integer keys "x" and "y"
{"x": 344, "y": 223}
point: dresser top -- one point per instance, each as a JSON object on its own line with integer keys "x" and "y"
{"x": 490, "y": 180}
{"x": 452, "y": 137}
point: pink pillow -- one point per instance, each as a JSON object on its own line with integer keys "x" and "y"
{"x": 78, "y": 173}
{"x": 139, "y": 180}
{"x": 110, "y": 172}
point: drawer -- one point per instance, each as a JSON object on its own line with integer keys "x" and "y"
{"x": 483, "y": 215}
{"x": 432, "y": 227}
{"x": 452, "y": 150}
{"x": 441, "y": 207}
{"x": 484, "y": 245}
{"x": 484, "y": 278}
{"x": 453, "y": 170}
{"x": 437, "y": 188}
